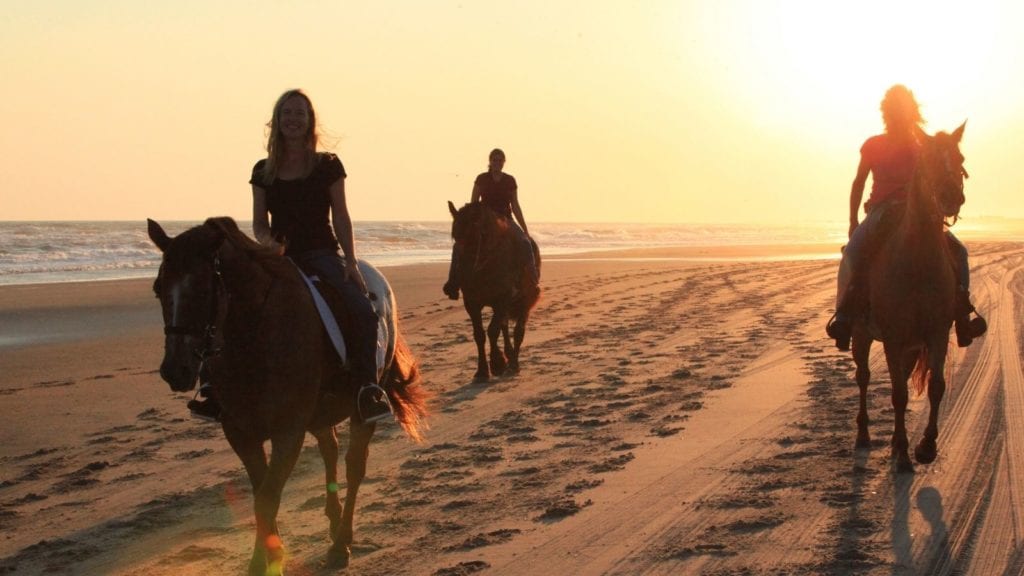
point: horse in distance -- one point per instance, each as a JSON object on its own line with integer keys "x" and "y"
{"x": 492, "y": 275}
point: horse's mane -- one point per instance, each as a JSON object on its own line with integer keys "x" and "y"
{"x": 267, "y": 258}
{"x": 487, "y": 219}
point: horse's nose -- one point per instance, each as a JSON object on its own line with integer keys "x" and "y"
{"x": 178, "y": 376}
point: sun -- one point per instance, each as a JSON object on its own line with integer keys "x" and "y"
{"x": 808, "y": 64}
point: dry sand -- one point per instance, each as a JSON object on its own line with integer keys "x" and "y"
{"x": 673, "y": 416}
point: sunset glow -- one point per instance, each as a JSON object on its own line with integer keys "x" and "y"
{"x": 732, "y": 111}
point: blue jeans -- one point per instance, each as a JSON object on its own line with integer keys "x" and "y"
{"x": 358, "y": 320}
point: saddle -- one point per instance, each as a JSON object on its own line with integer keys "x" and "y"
{"x": 331, "y": 307}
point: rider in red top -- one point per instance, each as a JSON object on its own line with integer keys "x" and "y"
{"x": 890, "y": 159}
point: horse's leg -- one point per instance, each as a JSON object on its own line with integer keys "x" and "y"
{"x": 517, "y": 342}
{"x": 482, "y": 372}
{"x": 926, "y": 450}
{"x": 355, "y": 470}
{"x": 250, "y": 451}
{"x": 898, "y": 375}
{"x": 268, "y": 552}
{"x": 509, "y": 347}
{"x": 327, "y": 442}
{"x": 498, "y": 360}
{"x": 861, "y": 356}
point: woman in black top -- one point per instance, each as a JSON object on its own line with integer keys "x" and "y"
{"x": 303, "y": 193}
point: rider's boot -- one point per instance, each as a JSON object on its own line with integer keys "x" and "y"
{"x": 208, "y": 408}
{"x": 840, "y": 327}
{"x": 372, "y": 402}
{"x": 967, "y": 328}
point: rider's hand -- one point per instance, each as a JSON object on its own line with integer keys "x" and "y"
{"x": 352, "y": 273}
{"x": 853, "y": 226}
{"x": 277, "y": 247}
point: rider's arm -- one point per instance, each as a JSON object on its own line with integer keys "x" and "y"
{"x": 477, "y": 192}
{"x": 518, "y": 212}
{"x": 260, "y": 222}
{"x": 343, "y": 231}
{"x": 857, "y": 192}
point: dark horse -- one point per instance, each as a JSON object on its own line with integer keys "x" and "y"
{"x": 491, "y": 275}
{"x": 231, "y": 302}
{"x": 911, "y": 288}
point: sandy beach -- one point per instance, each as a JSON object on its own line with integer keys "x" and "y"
{"x": 678, "y": 412}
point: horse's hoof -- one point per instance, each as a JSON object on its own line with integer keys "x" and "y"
{"x": 925, "y": 452}
{"x": 481, "y": 378}
{"x": 338, "y": 557}
{"x": 863, "y": 443}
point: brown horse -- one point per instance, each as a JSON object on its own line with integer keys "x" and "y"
{"x": 491, "y": 275}
{"x": 911, "y": 286}
{"x": 247, "y": 312}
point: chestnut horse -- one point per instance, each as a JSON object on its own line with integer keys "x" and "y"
{"x": 491, "y": 275}
{"x": 911, "y": 287}
{"x": 246, "y": 311}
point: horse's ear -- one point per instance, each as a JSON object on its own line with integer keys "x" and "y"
{"x": 959, "y": 132}
{"x": 157, "y": 235}
{"x": 451, "y": 208}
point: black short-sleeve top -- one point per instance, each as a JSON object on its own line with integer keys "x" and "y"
{"x": 300, "y": 209}
{"x": 497, "y": 195}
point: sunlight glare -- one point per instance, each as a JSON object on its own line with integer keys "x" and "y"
{"x": 807, "y": 64}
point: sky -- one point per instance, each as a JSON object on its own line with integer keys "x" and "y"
{"x": 657, "y": 111}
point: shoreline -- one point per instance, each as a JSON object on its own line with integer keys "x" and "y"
{"x": 715, "y": 252}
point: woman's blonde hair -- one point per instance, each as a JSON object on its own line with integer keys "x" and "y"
{"x": 900, "y": 111}
{"x": 275, "y": 148}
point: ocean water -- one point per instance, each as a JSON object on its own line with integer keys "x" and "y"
{"x": 50, "y": 252}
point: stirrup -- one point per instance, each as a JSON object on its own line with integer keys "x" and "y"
{"x": 372, "y": 403}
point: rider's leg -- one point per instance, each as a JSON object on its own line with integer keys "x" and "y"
{"x": 526, "y": 255}
{"x": 850, "y": 291}
{"x": 360, "y": 331}
{"x": 967, "y": 329}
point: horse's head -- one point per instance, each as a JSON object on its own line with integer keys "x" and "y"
{"x": 475, "y": 224}
{"x": 191, "y": 295}
{"x": 944, "y": 170}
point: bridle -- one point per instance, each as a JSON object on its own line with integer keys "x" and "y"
{"x": 947, "y": 182}
{"x": 207, "y": 332}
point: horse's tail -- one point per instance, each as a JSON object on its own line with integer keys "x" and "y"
{"x": 405, "y": 389}
{"x": 919, "y": 376}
